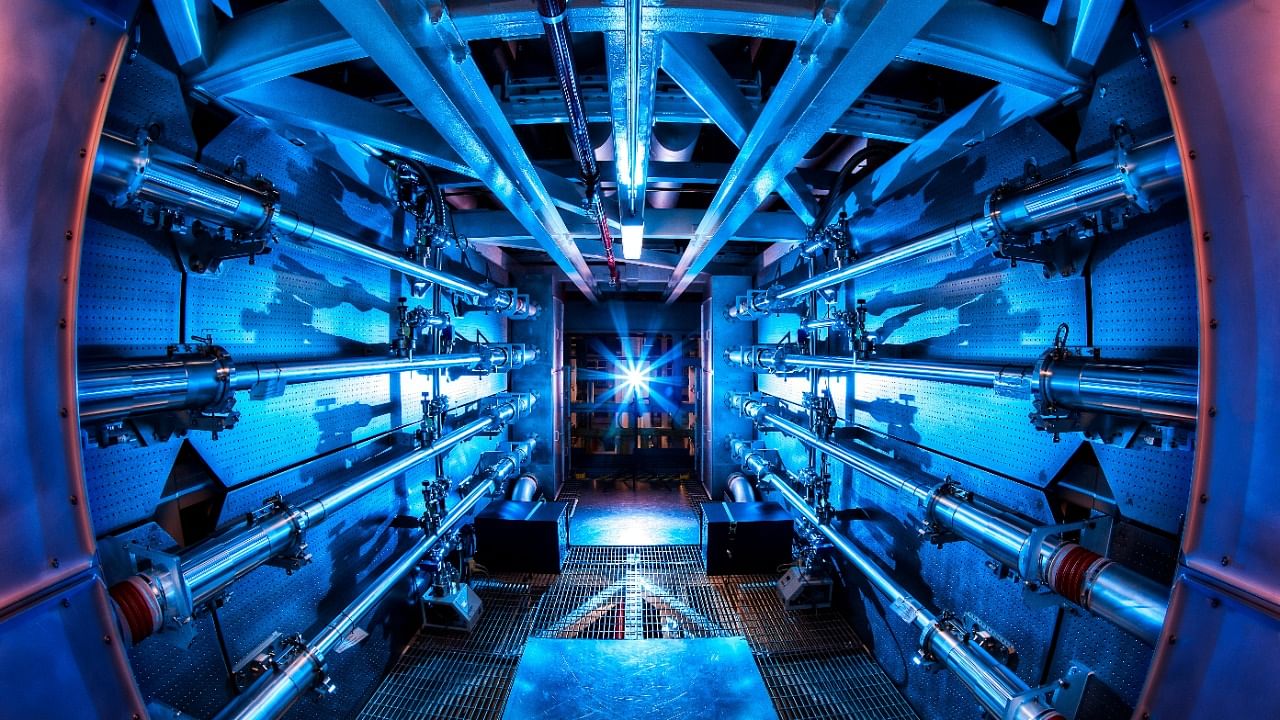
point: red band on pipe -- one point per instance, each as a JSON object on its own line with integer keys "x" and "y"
{"x": 137, "y": 608}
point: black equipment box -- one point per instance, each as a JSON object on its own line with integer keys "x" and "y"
{"x": 522, "y": 536}
{"x": 740, "y": 538}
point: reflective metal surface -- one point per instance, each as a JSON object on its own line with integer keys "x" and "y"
{"x": 548, "y": 683}
{"x": 1010, "y": 353}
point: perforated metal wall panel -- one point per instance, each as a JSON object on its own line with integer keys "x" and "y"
{"x": 126, "y": 482}
{"x": 148, "y": 98}
{"x": 133, "y": 307}
{"x": 1150, "y": 485}
{"x": 1144, "y": 292}
{"x": 970, "y": 308}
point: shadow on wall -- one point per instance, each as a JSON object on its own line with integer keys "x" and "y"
{"x": 338, "y": 423}
{"x": 983, "y": 317}
{"x": 937, "y": 194}
{"x": 898, "y": 416}
{"x": 299, "y": 292}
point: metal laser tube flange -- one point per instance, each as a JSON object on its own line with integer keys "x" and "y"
{"x": 127, "y": 173}
{"x": 1147, "y": 391}
{"x": 304, "y": 669}
{"x": 191, "y": 381}
{"x": 1106, "y": 588}
{"x": 1135, "y": 177}
{"x": 160, "y": 598}
{"x": 1001, "y": 692}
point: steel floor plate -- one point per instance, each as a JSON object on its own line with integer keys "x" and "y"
{"x": 642, "y": 679}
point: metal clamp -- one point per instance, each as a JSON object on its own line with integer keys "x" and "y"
{"x": 1029, "y": 556}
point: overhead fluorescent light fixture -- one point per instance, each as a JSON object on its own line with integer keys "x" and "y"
{"x": 632, "y": 240}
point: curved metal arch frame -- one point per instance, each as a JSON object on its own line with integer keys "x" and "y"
{"x": 59, "y": 62}
{"x": 1224, "y": 613}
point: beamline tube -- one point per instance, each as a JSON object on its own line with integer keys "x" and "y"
{"x": 306, "y": 669}
{"x": 1152, "y": 170}
{"x": 211, "y": 568}
{"x": 193, "y": 381}
{"x": 1129, "y": 600}
{"x": 1152, "y": 392}
{"x": 123, "y": 169}
{"x": 1003, "y": 694}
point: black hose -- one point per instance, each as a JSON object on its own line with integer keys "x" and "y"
{"x": 556, "y": 28}
{"x": 873, "y": 156}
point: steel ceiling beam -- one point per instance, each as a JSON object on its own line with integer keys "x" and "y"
{"x": 688, "y": 61}
{"x": 968, "y": 35}
{"x": 490, "y": 226}
{"x": 444, "y": 84}
{"x": 1001, "y": 107}
{"x": 1083, "y": 29}
{"x": 289, "y": 38}
{"x": 847, "y": 48}
{"x": 632, "y": 59}
{"x": 1003, "y": 45}
{"x": 190, "y": 27}
{"x": 299, "y": 103}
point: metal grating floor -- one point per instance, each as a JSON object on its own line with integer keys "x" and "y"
{"x": 447, "y": 674}
{"x": 634, "y": 593}
{"x": 812, "y": 663}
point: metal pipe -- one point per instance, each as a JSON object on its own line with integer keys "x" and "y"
{"x": 1151, "y": 392}
{"x": 1156, "y": 393}
{"x": 555, "y": 26}
{"x": 126, "y": 172}
{"x": 525, "y": 488}
{"x": 201, "y": 379}
{"x": 740, "y": 489}
{"x": 1134, "y": 177}
{"x": 209, "y": 569}
{"x": 306, "y": 669}
{"x": 1002, "y": 693}
{"x": 1096, "y": 583}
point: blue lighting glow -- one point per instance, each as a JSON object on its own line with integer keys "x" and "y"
{"x": 640, "y": 383}
{"x": 636, "y": 379}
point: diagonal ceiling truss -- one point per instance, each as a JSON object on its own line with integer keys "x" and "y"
{"x": 847, "y": 47}
{"x": 444, "y": 84}
{"x": 248, "y": 63}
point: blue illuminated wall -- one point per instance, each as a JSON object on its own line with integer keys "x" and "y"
{"x": 291, "y": 303}
{"x": 1137, "y": 301}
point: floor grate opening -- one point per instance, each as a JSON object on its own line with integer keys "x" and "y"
{"x": 812, "y": 663}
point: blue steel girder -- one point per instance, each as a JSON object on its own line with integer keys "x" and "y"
{"x": 847, "y": 48}
{"x": 1083, "y": 28}
{"x": 444, "y": 84}
{"x": 190, "y": 26}
{"x": 968, "y": 35}
{"x": 490, "y": 226}
{"x": 997, "y": 109}
{"x": 999, "y": 44}
{"x": 292, "y": 37}
{"x": 301, "y": 104}
{"x": 690, "y": 63}
{"x": 632, "y": 58}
